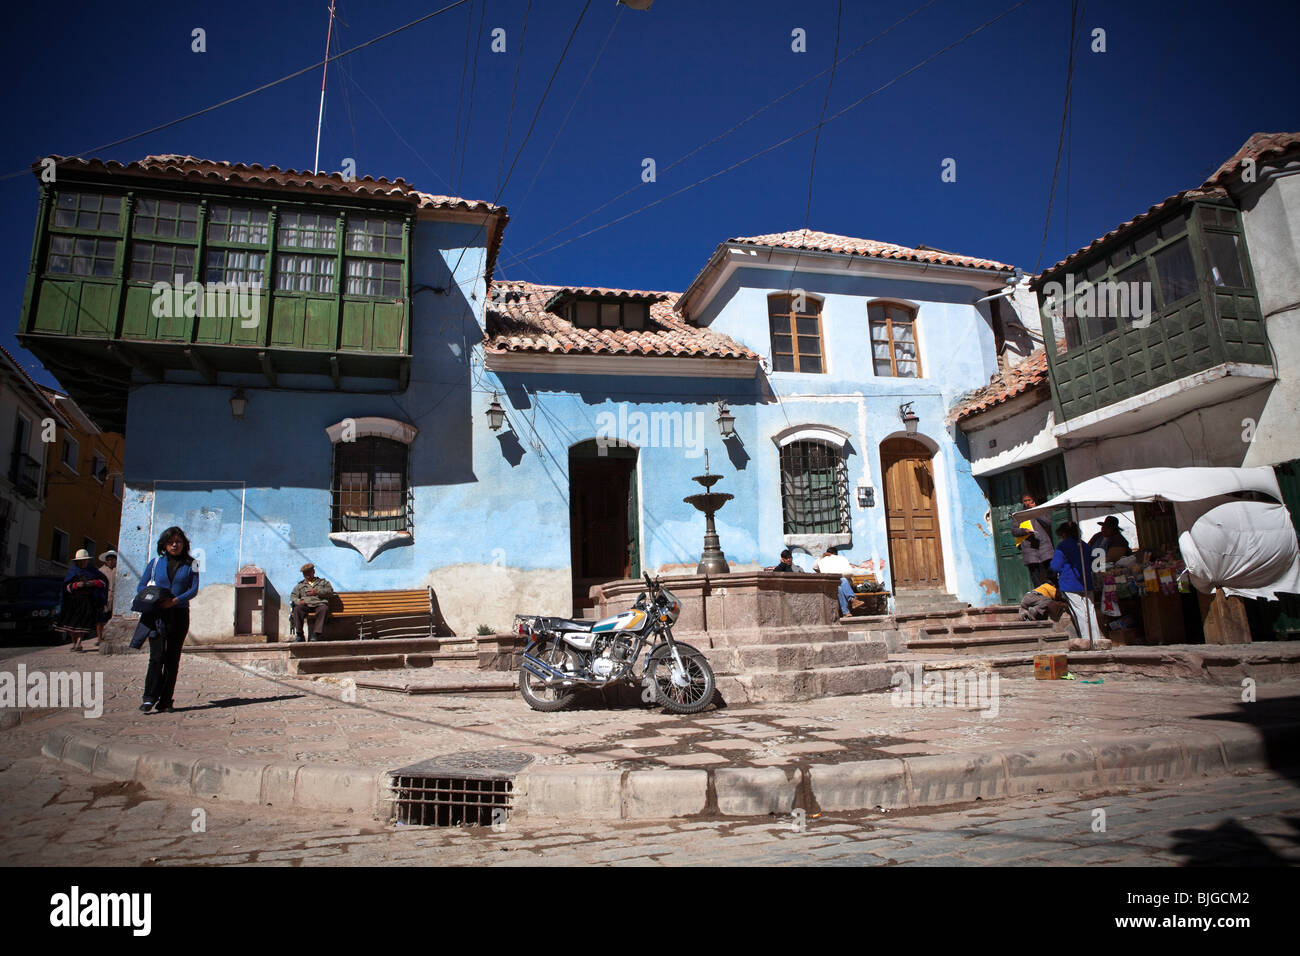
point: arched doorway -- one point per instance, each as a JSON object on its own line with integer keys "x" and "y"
{"x": 912, "y": 514}
{"x": 604, "y": 517}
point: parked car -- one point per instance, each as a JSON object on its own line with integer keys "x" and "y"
{"x": 29, "y": 606}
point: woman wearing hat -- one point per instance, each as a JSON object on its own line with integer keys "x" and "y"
{"x": 85, "y": 591}
{"x": 107, "y": 568}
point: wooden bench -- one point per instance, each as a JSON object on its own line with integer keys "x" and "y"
{"x": 376, "y": 607}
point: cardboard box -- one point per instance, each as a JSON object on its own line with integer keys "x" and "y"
{"x": 1050, "y": 666}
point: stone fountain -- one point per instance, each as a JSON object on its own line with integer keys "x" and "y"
{"x": 712, "y": 561}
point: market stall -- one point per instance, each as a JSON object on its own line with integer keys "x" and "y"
{"x": 1235, "y": 540}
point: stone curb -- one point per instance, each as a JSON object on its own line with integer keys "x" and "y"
{"x": 658, "y": 794}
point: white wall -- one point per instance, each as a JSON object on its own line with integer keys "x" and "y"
{"x": 25, "y": 513}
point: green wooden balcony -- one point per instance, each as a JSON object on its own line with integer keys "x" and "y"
{"x": 267, "y": 288}
{"x": 1203, "y": 340}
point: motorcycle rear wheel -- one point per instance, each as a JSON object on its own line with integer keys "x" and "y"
{"x": 699, "y": 688}
{"x": 548, "y": 698}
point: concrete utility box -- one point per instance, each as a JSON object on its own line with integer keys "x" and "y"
{"x": 250, "y": 600}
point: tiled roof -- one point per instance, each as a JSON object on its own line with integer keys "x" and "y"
{"x": 1163, "y": 206}
{"x": 518, "y": 321}
{"x": 199, "y": 171}
{"x": 1260, "y": 147}
{"x": 1005, "y": 386}
{"x": 829, "y": 242}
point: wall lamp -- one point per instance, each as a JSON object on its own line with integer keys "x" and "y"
{"x": 238, "y": 404}
{"x": 726, "y": 420}
{"x": 496, "y": 414}
{"x": 910, "y": 418}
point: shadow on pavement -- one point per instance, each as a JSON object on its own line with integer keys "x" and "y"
{"x": 239, "y": 702}
{"x": 1229, "y": 844}
{"x": 1278, "y": 722}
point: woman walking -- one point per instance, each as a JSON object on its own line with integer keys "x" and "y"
{"x": 84, "y": 592}
{"x": 173, "y": 569}
{"x": 1074, "y": 569}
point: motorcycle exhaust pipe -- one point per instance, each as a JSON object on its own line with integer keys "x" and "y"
{"x": 539, "y": 668}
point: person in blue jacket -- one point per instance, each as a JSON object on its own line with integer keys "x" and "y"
{"x": 1073, "y": 566}
{"x": 172, "y": 569}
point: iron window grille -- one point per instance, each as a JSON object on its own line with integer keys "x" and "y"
{"x": 814, "y": 488}
{"x": 371, "y": 490}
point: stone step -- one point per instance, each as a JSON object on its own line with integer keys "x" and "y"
{"x": 795, "y": 657}
{"x": 467, "y": 660}
{"x": 1041, "y": 637}
{"x": 805, "y": 684}
{"x": 792, "y": 634}
{"x": 382, "y": 646}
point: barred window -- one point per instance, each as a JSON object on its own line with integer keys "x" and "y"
{"x": 238, "y": 224}
{"x": 814, "y": 488}
{"x": 81, "y": 256}
{"x": 295, "y": 273}
{"x": 166, "y": 219}
{"x": 371, "y": 488}
{"x": 236, "y": 265}
{"x": 161, "y": 262}
{"x": 304, "y": 230}
{"x": 375, "y": 277}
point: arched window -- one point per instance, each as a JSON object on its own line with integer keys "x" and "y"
{"x": 795, "y": 322}
{"x": 893, "y": 340}
{"x": 814, "y": 488}
{"x": 371, "y": 487}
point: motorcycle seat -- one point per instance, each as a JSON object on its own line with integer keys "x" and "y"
{"x": 566, "y": 624}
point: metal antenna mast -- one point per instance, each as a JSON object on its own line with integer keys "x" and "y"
{"x": 320, "y": 116}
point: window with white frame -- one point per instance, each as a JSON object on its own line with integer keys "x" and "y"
{"x": 70, "y": 453}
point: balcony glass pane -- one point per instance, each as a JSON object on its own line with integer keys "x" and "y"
{"x": 1176, "y": 271}
{"x": 1225, "y": 260}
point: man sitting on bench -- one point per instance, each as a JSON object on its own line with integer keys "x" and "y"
{"x": 310, "y": 598}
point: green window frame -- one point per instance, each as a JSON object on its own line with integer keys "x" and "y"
{"x": 166, "y": 219}
{"x": 245, "y": 266}
{"x": 307, "y": 231}
{"x": 233, "y": 224}
{"x": 161, "y": 262}
{"x": 81, "y": 256}
{"x": 299, "y": 272}
{"x": 86, "y": 211}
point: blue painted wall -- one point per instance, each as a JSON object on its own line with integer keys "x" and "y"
{"x": 492, "y": 510}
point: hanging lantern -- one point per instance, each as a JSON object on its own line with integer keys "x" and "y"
{"x": 496, "y": 414}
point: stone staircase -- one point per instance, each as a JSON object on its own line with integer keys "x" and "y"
{"x": 977, "y": 631}
{"x": 795, "y": 663}
{"x": 332, "y": 657}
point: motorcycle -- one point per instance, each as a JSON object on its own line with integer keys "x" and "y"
{"x": 564, "y": 656}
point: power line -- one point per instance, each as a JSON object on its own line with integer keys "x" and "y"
{"x": 789, "y": 139}
{"x": 1060, "y": 142}
{"x": 264, "y": 86}
{"x": 723, "y": 135}
{"x": 460, "y": 94}
{"x": 577, "y": 96}
{"x": 527, "y": 135}
{"x": 514, "y": 92}
{"x": 459, "y": 177}
{"x": 821, "y": 120}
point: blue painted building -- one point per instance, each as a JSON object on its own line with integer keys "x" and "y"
{"x": 349, "y": 422}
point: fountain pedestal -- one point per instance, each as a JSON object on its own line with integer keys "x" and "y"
{"x": 712, "y": 561}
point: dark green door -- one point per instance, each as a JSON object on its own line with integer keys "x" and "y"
{"x": 1004, "y": 494}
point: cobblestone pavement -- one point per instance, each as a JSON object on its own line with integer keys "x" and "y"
{"x": 57, "y": 817}
{"x": 225, "y": 711}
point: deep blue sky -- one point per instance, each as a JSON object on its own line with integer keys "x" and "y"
{"x": 670, "y": 80}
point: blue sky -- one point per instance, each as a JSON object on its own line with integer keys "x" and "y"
{"x": 1180, "y": 87}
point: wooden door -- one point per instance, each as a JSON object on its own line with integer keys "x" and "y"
{"x": 912, "y": 515}
{"x": 600, "y": 502}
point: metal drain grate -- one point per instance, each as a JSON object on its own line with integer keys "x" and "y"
{"x": 465, "y": 789}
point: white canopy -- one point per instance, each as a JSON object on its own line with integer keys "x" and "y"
{"x": 1245, "y": 547}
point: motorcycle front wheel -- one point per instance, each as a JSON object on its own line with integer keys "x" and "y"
{"x": 540, "y": 695}
{"x": 687, "y": 692}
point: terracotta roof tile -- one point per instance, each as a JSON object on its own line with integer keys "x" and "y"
{"x": 518, "y": 321}
{"x": 829, "y": 242}
{"x": 199, "y": 171}
{"x": 1004, "y": 386}
{"x": 1260, "y": 147}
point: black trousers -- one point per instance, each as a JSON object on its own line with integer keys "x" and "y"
{"x": 318, "y": 614}
{"x": 165, "y": 657}
{"x": 1040, "y": 573}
